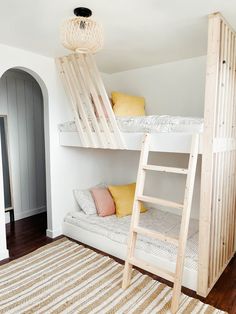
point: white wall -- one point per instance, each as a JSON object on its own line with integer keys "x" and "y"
{"x": 175, "y": 88}
{"x": 66, "y": 168}
{"x": 56, "y": 109}
{"x": 22, "y": 104}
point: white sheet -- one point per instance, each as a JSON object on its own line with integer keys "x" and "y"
{"x": 150, "y": 124}
{"x": 116, "y": 229}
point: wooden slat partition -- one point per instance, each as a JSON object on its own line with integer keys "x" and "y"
{"x": 94, "y": 117}
{"x": 218, "y": 184}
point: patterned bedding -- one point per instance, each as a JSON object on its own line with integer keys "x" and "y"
{"x": 116, "y": 229}
{"x": 150, "y": 124}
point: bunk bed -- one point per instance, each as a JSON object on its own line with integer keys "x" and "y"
{"x": 217, "y": 228}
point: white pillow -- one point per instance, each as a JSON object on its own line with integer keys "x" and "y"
{"x": 85, "y": 200}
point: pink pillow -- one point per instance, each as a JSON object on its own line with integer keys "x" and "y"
{"x": 103, "y": 201}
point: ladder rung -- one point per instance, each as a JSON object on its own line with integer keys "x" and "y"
{"x": 159, "y": 201}
{"x": 165, "y": 169}
{"x": 152, "y": 269}
{"x": 156, "y": 235}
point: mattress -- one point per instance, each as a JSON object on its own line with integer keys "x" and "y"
{"x": 116, "y": 229}
{"x": 150, "y": 124}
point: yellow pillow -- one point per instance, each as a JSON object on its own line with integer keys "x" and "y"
{"x": 123, "y": 196}
{"x": 126, "y": 105}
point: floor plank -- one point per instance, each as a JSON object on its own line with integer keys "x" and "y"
{"x": 30, "y": 233}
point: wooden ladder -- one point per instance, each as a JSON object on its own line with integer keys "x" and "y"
{"x": 185, "y": 207}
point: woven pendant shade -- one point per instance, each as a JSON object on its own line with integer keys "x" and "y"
{"x": 82, "y": 35}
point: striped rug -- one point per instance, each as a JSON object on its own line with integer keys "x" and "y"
{"x": 64, "y": 277}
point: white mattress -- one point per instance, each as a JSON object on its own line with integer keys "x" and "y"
{"x": 150, "y": 124}
{"x": 116, "y": 229}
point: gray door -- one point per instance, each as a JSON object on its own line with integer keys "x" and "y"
{"x": 5, "y": 165}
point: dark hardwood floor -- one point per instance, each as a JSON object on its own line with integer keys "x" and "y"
{"x": 30, "y": 233}
{"x": 26, "y": 235}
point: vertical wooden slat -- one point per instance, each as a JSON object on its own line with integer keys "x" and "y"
{"x": 83, "y": 83}
{"x": 81, "y": 71}
{"x": 216, "y": 197}
{"x": 229, "y": 154}
{"x": 68, "y": 90}
{"x": 207, "y": 158}
{"x": 85, "y": 106}
{"x": 223, "y": 103}
{"x": 93, "y": 93}
{"x": 78, "y": 101}
{"x": 219, "y": 206}
{"x": 105, "y": 100}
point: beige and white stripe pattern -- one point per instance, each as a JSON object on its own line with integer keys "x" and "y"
{"x": 64, "y": 277}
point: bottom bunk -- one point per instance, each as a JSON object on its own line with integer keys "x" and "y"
{"x": 109, "y": 234}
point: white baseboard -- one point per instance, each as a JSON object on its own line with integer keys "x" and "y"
{"x": 53, "y": 233}
{"x": 4, "y": 254}
{"x": 25, "y": 214}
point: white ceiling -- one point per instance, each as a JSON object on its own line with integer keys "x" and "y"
{"x": 137, "y": 32}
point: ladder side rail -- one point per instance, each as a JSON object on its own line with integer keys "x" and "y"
{"x": 75, "y": 89}
{"x": 132, "y": 236}
{"x": 83, "y": 136}
{"x": 185, "y": 222}
{"x": 106, "y": 102}
{"x": 110, "y": 142}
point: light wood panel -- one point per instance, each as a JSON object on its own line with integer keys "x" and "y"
{"x": 217, "y": 207}
{"x": 94, "y": 117}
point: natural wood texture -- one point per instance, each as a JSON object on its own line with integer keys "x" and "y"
{"x": 94, "y": 116}
{"x": 183, "y": 235}
{"x": 165, "y": 169}
{"x": 159, "y": 201}
{"x": 156, "y": 235}
{"x": 30, "y": 234}
{"x": 136, "y": 210}
{"x": 135, "y": 229}
{"x": 217, "y": 206}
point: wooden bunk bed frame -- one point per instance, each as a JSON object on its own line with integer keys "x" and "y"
{"x": 217, "y": 227}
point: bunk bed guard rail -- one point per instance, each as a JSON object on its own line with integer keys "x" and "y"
{"x": 94, "y": 117}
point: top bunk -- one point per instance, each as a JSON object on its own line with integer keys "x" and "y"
{"x": 167, "y": 133}
{"x": 96, "y": 125}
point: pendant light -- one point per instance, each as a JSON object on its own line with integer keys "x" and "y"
{"x": 81, "y": 34}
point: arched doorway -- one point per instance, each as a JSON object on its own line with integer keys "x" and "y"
{"x": 24, "y": 113}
